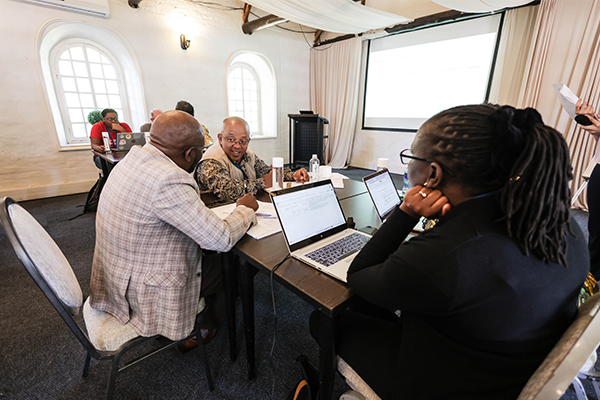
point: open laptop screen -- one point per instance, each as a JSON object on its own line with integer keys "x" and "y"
{"x": 307, "y": 211}
{"x": 383, "y": 192}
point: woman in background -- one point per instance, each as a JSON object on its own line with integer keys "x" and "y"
{"x": 484, "y": 295}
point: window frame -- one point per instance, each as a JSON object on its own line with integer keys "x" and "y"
{"x": 245, "y": 66}
{"x": 264, "y": 74}
{"x": 55, "y": 55}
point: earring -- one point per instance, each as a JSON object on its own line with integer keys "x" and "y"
{"x": 424, "y": 185}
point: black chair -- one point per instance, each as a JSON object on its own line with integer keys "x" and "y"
{"x": 106, "y": 337}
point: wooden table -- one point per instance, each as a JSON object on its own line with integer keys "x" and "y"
{"x": 323, "y": 292}
{"x": 109, "y": 160}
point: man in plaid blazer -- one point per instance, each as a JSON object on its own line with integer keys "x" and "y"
{"x": 151, "y": 228}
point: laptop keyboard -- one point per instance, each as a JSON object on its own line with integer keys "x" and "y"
{"x": 339, "y": 249}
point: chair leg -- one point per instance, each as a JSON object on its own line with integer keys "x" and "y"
{"x": 86, "y": 364}
{"x": 211, "y": 385}
{"x": 114, "y": 370}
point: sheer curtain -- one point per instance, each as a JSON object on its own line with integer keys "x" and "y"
{"x": 560, "y": 40}
{"x": 334, "y": 78}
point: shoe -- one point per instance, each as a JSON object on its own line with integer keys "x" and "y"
{"x": 192, "y": 343}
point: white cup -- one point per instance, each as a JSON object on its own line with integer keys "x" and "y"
{"x": 382, "y": 163}
{"x": 324, "y": 172}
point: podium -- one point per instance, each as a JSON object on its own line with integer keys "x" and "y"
{"x": 306, "y": 138}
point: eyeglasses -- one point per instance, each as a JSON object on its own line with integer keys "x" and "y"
{"x": 406, "y": 156}
{"x": 112, "y": 119}
{"x": 243, "y": 142}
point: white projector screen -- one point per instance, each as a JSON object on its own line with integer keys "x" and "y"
{"x": 412, "y": 76}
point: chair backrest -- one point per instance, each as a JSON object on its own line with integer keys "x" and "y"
{"x": 555, "y": 374}
{"x": 45, "y": 262}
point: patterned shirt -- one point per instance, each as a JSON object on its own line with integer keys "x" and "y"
{"x": 213, "y": 176}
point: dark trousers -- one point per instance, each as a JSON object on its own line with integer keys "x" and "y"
{"x": 211, "y": 289}
{"x": 370, "y": 344}
{"x": 593, "y": 197}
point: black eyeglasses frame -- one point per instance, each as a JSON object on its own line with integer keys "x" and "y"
{"x": 411, "y": 157}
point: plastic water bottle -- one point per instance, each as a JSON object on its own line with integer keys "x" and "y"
{"x": 313, "y": 168}
{"x": 406, "y": 184}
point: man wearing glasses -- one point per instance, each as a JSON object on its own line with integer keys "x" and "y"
{"x": 110, "y": 123}
{"x": 231, "y": 170}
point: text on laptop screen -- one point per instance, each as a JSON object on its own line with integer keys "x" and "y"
{"x": 306, "y": 213}
{"x": 383, "y": 192}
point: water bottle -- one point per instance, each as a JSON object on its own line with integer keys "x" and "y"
{"x": 406, "y": 184}
{"x": 313, "y": 168}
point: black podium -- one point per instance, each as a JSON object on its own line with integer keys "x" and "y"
{"x": 306, "y": 138}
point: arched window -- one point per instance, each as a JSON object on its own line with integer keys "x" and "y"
{"x": 251, "y": 92}
{"x": 87, "y": 78}
{"x": 81, "y": 74}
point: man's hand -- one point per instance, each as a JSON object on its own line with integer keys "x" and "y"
{"x": 421, "y": 201}
{"x": 301, "y": 176}
{"x": 268, "y": 179}
{"x": 248, "y": 200}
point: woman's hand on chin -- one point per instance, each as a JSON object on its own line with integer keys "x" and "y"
{"x": 421, "y": 201}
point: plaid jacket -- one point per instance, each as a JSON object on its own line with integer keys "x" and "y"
{"x": 150, "y": 228}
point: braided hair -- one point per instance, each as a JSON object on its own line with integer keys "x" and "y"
{"x": 511, "y": 151}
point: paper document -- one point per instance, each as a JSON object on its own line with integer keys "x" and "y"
{"x": 268, "y": 223}
{"x": 336, "y": 178}
{"x": 567, "y": 98}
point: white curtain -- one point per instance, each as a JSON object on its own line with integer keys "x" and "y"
{"x": 560, "y": 42}
{"x": 334, "y": 78}
{"x": 339, "y": 16}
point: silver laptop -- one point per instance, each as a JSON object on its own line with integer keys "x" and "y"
{"x": 314, "y": 227}
{"x": 382, "y": 190}
{"x": 126, "y": 140}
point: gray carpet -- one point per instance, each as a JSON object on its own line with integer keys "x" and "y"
{"x": 41, "y": 359}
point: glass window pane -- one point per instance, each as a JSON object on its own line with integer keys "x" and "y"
{"x": 246, "y": 74}
{"x": 253, "y": 96}
{"x": 77, "y": 53}
{"x": 252, "y": 85}
{"x": 65, "y": 55}
{"x": 75, "y": 115}
{"x": 101, "y": 101}
{"x": 231, "y": 106}
{"x": 93, "y": 55}
{"x": 83, "y": 84}
{"x": 80, "y": 68}
{"x": 86, "y": 112}
{"x": 86, "y": 101}
{"x": 119, "y": 113}
{"x": 88, "y": 129}
{"x": 79, "y": 130}
{"x": 72, "y": 99}
{"x": 96, "y": 70}
{"x": 114, "y": 101}
{"x": 68, "y": 84}
{"x": 99, "y": 86}
{"x": 109, "y": 72}
{"x": 239, "y": 105}
{"x": 112, "y": 87}
{"x": 65, "y": 68}
{"x": 104, "y": 59}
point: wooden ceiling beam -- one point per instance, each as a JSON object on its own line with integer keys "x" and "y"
{"x": 246, "y": 12}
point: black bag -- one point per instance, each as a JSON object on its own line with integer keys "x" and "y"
{"x": 91, "y": 202}
{"x": 308, "y": 387}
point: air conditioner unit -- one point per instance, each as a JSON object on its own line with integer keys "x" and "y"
{"x": 98, "y": 8}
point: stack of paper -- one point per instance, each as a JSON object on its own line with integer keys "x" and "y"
{"x": 268, "y": 223}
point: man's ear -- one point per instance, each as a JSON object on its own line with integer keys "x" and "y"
{"x": 436, "y": 175}
{"x": 187, "y": 155}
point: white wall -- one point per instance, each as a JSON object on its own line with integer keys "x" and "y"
{"x": 32, "y": 164}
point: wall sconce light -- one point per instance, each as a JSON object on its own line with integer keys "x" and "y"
{"x": 184, "y": 43}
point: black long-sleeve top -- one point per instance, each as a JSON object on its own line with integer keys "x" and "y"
{"x": 478, "y": 315}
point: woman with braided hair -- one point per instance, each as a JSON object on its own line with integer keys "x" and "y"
{"x": 485, "y": 294}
